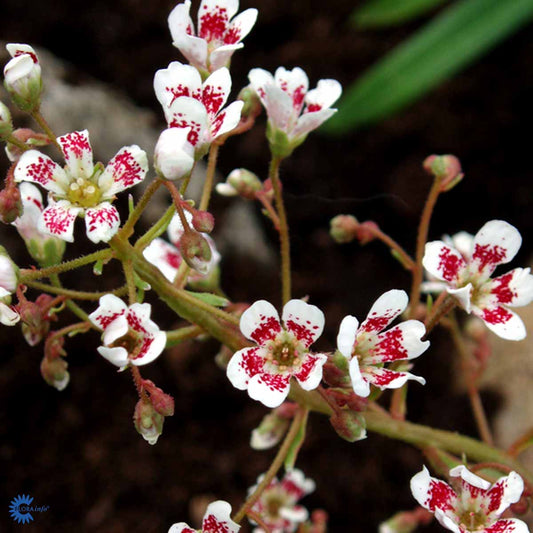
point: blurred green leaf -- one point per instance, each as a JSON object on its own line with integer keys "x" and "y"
{"x": 451, "y": 41}
{"x": 380, "y": 13}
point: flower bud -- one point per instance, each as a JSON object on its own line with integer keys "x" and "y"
{"x": 6, "y": 124}
{"x": 174, "y": 154}
{"x": 54, "y": 372}
{"x": 335, "y": 371}
{"x": 28, "y": 137}
{"x": 36, "y": 318}
{"x": 252, "y": 104}
{"x": 163, "y": 403}
{"x": 196, "y": 251}
{"x": 203, "y": 221}
{"x": 446, "y": 168}
{"x": 22, "y": 77}
{"x": 9, "y": 274}
{"x": 240, "y": 182}
{"x": 269, "y": 432}
{"x": 10, "y": 203}
{"x": 343, "y": 228}
{"x": 349, "y": 425}
{"x": 406, "y": 521}
{"x": 148, "y": 422}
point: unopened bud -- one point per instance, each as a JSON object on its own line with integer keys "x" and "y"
{"x": 446, "y": 168}
{"x": 55, "y": 373}
{"x": 163, "y": 403}
{"x": 335, "y": 371}
{"x": 10, "y": 203}
{"x": 269, "y": 432}
{"x": 6, "y": 124}
{"x": 240, "y": 182}
{"x": 22, "y": 77}
{"x": 252, "y": 104}
{"x": 26, "y": 136}
{"x": 9, "y": 274}
{"x": 343, "y": 228}
{"x": 174, "y": 154}
{"x": 203, "y": 221}
{"x": 319, "y": 521}
{"x": 349, "y": 425}
{"x": 406, "y": 521}
{"x": 148, "y": 422}
{"x": 195, "y": 251}
{"x": 53, "y": 346}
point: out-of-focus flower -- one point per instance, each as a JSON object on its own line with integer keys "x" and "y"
{"x": 22, "y": 77}
{"x": 466, "y": 274}
{"x": 277, "y": 506}
{"x": 6, "y": 124}
{"x": 293, "y": 111}
{"x": 240, "y": 182}
{"x": 217, "y": 519}
{"x": 476, "y": 505}
{"x": 173, "y": 154}
{"x": 368, "y": 347}
{"x": 8, "y": 285}
{"x": 82, "y": 188}
{"x": 219, "y": 32}
{"x": 129, "y": 336}
{"x": 282, "y": 351}
{"x": 189, "y": 103}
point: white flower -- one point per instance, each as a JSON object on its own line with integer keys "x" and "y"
{"x": 174, "y": 154}
{"x": 129, "y": 335}
{"x": 466, "y": 274}
{"x": 22, "y": 76}
{"x": 217, "y": 519}
{"x": 8, "y": 285}
{"x": 219, "y": 32}
{"x": 82, "y": 188}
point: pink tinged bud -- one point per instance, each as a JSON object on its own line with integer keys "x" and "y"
{"x": 343, "y": 228}
{"x": 174, "y": 154}
{"x": 319, "y": 521}
{"x": 195, "y": 251}
{"x": 10, "y": 203}
{"x": 252, "y": 104}
{"x": 446, "y": 168}
{"x": 22, "y": 77}
{"x": 6, "y": 124}
{"x": 203, "y": 221}
{"x": 270, "y": 431}
{"x": 406, "y": 521}
{"x": 349, "y": 425}
{"x": 55, "y": 373}
{"x": 27, "y": 136}
{"x": 148, "y": 422}
{"x": 240, "y": 182}
{"x": 365, "y": 233}
{"x": 163, "y": 403}
{"x": 336, "y": 371}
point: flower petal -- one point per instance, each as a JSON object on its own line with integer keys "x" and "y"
{"x": 217, "y": 519}
{"x": 110, "y": 307}
{"x": 432, "y": 493}
{"x": 278, "y": 105}
{"x": 269, "y": 389}
{"x": 311, "y": 121}
{"x": 114, "y": 330}
{"x": 469, "y": 479}
{"x": 506, "y": 491}
{"x": 117, "y": 356}
{"x": 385, "y": 309}
{"x": 181, "y": 527}
{"x": 383, "y": 378}
{"x": 186, "y": 112}
{"x": 8, "y": 276}
{"x": 214, "y": 17}
{"x": 310, "y": 375}
{"x": 496, "y": 243}
{"x": 126, "y": 169}
{"x": 260, "y": 322}
{"x": 8, "y": 317}
{"x": 164, "y": 256}
{"x": 305, "y": 321}
{"x": 463, "y": 295}
{"x": 102, "y": 222}
{"x": 58, "y": 220}
{"x": 78, "y": 153}
{"x": 360, "y": 384}
{"x": 327, "y": 92}
{"x": 226, "y": 120}
{"x": 39, "y": 168}
{"x": 177, "y": 80}
{"x": 442, "y": 261}
{"x": 294, "y": 83}
{"x": 347, "y": 335}
{"x": 221, "y": 56}
{"x": 400, "y": 342}
{"x": 502, "y": 322}
{"x": 514, "y": 288}
{"x": 244, "y": 364}
{"x": 259, "y": 79}
{"x": 152, "y": 346}
{"x": 508, "y": 525}
{"x": 296, "y": 484}
{"x": 215, "y": 91}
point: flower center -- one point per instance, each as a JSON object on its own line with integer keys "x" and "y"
{"x": 273, "y": 504}
{"x": 284, "y": 352}
{"x": 473, "y": 520}
{"x": 131, "y": 342}
{"x": 84, "y": 193}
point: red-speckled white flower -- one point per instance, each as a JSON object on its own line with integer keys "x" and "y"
{"x": 282, "y": 351}
{"x": 219, "y": 32}
{"x": 217, "y": 519}
{"x": 475, "y": 506}
{"x": 368, "y": 347}
{"x": 81, "y": 187}
{"x": 467, "y": 277}
{"x": 277, "y": 505}
{"x": 189, "y": 103}
{"x": 129, "y": 335}
{"x": 292, "y": 110}
{"x": 8, "y": 285}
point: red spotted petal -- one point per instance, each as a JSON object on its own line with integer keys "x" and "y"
{"x": 244, "y": 364}
{"x": 58, "y": 220}
{"x": 385, "y": 309}
{"x": 432, "y": 493}
{"x": 260, "y": 322}
{"x": 102, "y": 222}
{"x": 38, "y": 168}
{"x": 126, "y": 169}
{"x": 305, "y": 321}
{"x": 78, "y": 153}
{"x": 442, "y": 261}
{"x": 310, "y": 375}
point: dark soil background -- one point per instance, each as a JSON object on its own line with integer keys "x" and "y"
{"x": 77, "y": 451}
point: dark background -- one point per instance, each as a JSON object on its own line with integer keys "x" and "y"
{"x": 77, "y": 451}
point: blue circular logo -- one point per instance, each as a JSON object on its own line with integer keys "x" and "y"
{"x": 18, "y": 509}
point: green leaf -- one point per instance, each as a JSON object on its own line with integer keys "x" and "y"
{"x": 211, "y": 299}
{"x": 380, "y": 13}
{"x": 447, "y": 44}
{"x": 292, "y": 454}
